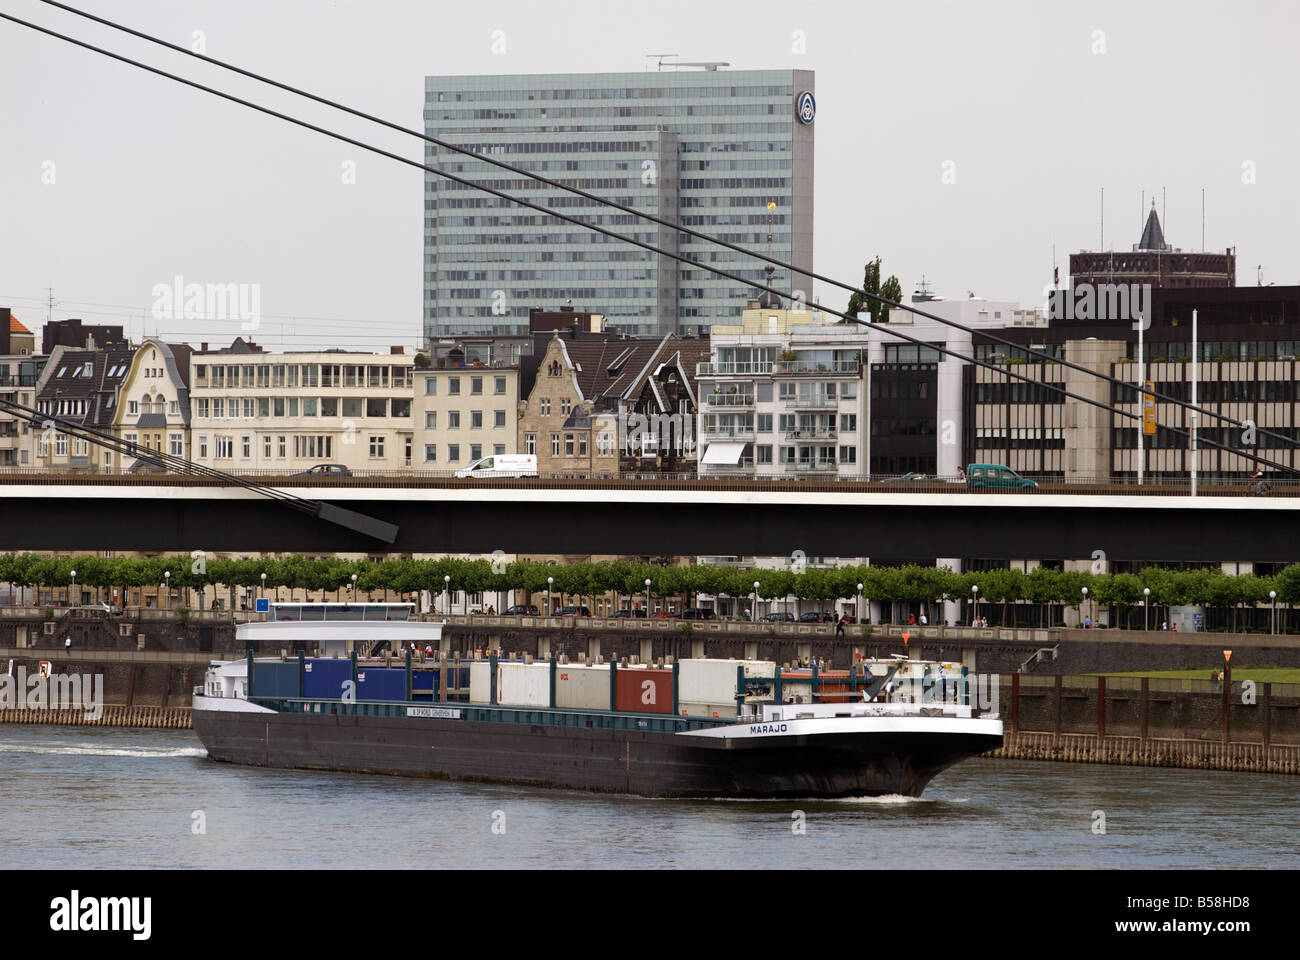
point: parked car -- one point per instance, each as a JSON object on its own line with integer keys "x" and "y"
{"x": 697, "y": 613}
{"x": 816, "y": 616}
{"x": 912, "y": 477}
{"x": 522, "y": 610}
{"x": 326, "y": 470}
{"x": 992, "y": 476}
{"x": 574, "y": 612}
{"x": 635, "y": 614}
{"x": 784, "y": 616}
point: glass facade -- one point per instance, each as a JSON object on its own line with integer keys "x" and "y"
{"x": 709, "y": 150}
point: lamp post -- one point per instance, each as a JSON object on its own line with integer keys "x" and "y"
{"x": 74, "y": 588}
{"x": 550, "y": 583}
{"x": 647, "y": 598}
{"x": 1272, "y": 620}
{"x": 754, "y": 616}
{"x": 975, "y": 602}
{"x": 1083, "y": 602}
{"x": 446, "y": 589}
{"x": 858, "y": 611}
{"x": 167, "y": 581}
{"x": 263, "y": 593}
{"x": 352, "y": 585}
{"x": 1146, "y": 597}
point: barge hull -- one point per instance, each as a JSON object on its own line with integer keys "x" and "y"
{"x": 650, "y": 764}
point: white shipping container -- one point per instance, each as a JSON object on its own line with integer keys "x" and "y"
{"x": 480, "y": 681}
{"x": 579, "y": 687}
{"x": 714, "y": 681}
{"x": 523, "y": 684}
{"x": 720, "y": 710}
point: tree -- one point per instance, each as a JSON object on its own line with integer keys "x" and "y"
{"x": 891, "y": 290}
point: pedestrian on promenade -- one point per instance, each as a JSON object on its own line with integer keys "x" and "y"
{"x": 839, "y": 625}
{"x": 67, "y": 644}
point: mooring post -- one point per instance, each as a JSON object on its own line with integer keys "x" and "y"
{"x": 1015, "y": 700}
{"x": 1101, "y": 708}
{"x": 1144, "y": 706}
{"x": 1056, "y": 713}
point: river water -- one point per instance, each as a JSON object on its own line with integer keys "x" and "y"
{"x": 124, "y": 798}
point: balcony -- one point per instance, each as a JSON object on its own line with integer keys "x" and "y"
{"x": 729, "y": 401}
{"x": 814, "y": 467}
{"x": 728, "y": 433}
{"x": 814, "y": 401}
{"x": 802, "y": 368}
{"x": 822, "y": 433}
{"x": 743, "y": 369}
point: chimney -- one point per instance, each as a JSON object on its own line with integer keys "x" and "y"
{"x": 203, "y": 348}
{"x": 396, "y": 351}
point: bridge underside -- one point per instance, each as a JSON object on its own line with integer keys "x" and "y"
{"x": 882, "y": 532}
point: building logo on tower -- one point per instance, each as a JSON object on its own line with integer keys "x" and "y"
{"x": 806, "y": 107}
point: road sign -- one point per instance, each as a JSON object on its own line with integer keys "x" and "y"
{"x": 1148, "y": 411}
{"x": 263, "y": 605}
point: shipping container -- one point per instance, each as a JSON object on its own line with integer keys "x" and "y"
{"x": 582, "y": 686}
{"x": 275, "y": 678}
{"x": 714, "y": 681}
{"x": 324, "y": 677}
{"x": 424, "y": 684}
{"x": 527, "y": 684}
{"x": 834, "y": 687}
{"x": 381, "y": 683}
{"x": 724, "y": 711}
{"x": 480, "y": 682}
{"x": 644, "y": 690}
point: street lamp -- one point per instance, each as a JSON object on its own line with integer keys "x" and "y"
{"x": 858, "y": 611}
{"x": 446, "y": 589}
{"x": 1146, "y": 596}
{"x": 754, "y": 616}
{"x": 647, "y": 598}
{"x": 167, "y": 581}
{"x": 352, "y": 585}
{"x": 550, "y": 583}
{"x": 975, "y": 602}
{"x": 263, "y": 593}
{"x": 1272, "y": 620}
{"x": 74, "y": 587}
{"x": 1083, "y": 601}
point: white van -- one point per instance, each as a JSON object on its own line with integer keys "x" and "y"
{"x": 502, "y": 465}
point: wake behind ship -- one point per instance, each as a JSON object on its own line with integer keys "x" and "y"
{"x": 690, "y": 728}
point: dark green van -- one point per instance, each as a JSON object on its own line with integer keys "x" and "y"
{"x": 991, "y": 476}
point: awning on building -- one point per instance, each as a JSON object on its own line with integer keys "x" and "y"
{"x": 724, "y": 452}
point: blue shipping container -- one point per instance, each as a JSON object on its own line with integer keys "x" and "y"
{"x": 273, "y": 678}
{"x": 381, "y": 683}
{"x": 424, "y": 680}
{"x": 325, "y": 677}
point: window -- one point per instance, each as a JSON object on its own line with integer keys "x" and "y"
{"x": 787, "y": 423}
{"x": 476, "y": 419}
{"x": 246, "y": 447}
{"x": 218, "y": 408}
{"x": 329, "y": 406}
{"x": 453, "y": 419}
{"x": 453, "y": 452}
{"x": 133, "y": 408}
{"x": 176, "y": 444}
{"x": 430, "y": 386}
{"x": 263, "y": 406}
{"x": 431, "y": 420}
{"x": 582, "y": 444}
{"x": 555, "y": 444}
{"x": 248, "y": 409}
{"x": 530, "y": 444}
{"x": 565, "y": 406}
{"x": 849, "y": 391}
{"x": 376, "y": 447}
{"x": 401, "y": 407}
{"x": 476, "y": 451}
{"x": 498, "y": 449}
{"x": 203, "y": 441}
{"x": 848, "y": 422}
{"x": 201, "y": 408}
{"x": 309, "y": 406}
{"x": 568, "y": 444}
{"x": 60, "y": 444}
{"x": 280, "y": 444}
{"x": 266, "y": 446}
{"x": 848, "y": 454}
{"x": 605, "y": 444}
{"x": 499, "y": 385}
{"x": 546, "y": 406}
{"x": 430, "y": 453}
{"x": 498, "y": 419}
{"x": 765, "y": 424}
{"x": 376, "y": 406}
{"x": 225, "y": 448}
{"x": 763, "y": 454}
{"x": 476, "y": 386}
{"x": 453, "y": 386}
{"x": 293, "y": 406}
{"x": 352, "y": 406}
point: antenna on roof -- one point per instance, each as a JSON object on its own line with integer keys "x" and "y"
{"x": 660, "y": 56}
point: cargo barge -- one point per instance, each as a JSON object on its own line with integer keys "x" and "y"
{"x": 697, "y": 728}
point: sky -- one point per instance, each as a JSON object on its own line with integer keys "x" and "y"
{"x": 959, "y": 141}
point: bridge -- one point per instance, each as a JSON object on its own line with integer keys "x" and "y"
{"x": 679, "y": 518}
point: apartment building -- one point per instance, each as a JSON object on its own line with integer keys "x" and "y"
{"x": 19, "y": 368}
{"x": 463, "y": 413}
{"x": 782, "y": 395}
{"x": 153, "y": 406}
{"x": 80, "y": 385}
{"x": 290, "y": 412}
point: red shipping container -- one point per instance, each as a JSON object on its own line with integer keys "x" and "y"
{"x": 643, "y": 691}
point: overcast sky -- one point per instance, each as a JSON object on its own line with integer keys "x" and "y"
{"x": 1032, "y": 109}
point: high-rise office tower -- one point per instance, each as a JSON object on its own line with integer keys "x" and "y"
{"x": 729, "y": 153}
